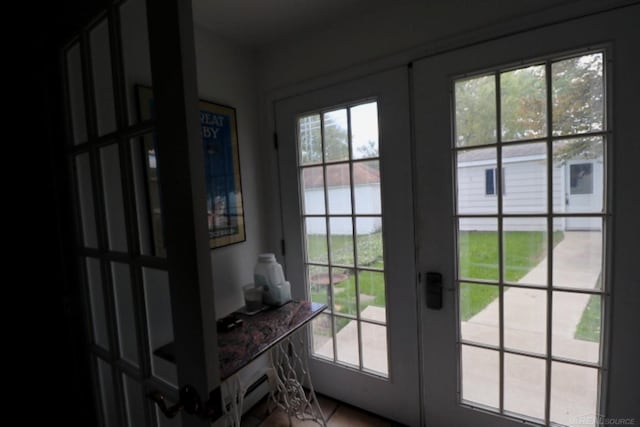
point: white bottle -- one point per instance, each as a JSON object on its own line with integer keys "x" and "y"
{"x": 268, "y": 274}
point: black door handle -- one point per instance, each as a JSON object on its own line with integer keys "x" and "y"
{"x": 434, "y": 290}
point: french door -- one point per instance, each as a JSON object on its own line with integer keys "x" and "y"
{"x": 343, "y": 155}
{"x": 140, "y": 298}
{"x": 520, "y": 207}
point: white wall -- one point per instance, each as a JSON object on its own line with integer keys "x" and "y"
{"x": 367, "y": 201}
{"x": 525, "y": 191}
{"x": 227, "y": 75}
{"x": 380, "y": 35}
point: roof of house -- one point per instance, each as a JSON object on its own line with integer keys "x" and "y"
{"x": 508, "y": 152}
{"x": 338, "y": 175}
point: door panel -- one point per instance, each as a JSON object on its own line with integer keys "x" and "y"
{"x": 138, "y": 303}
{"x": 367, "y": 280}
{"x": 511, "y": 337}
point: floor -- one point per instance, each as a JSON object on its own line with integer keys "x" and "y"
{"x": 338, "y": 414}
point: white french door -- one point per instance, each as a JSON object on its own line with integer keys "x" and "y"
{"x": 149, "y": 311}
{"x": 528, "y": 331}
{"x": 343, "y": 155}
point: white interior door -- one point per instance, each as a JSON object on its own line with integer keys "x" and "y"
{"x": 522, "y": 334}
{"x": 140, "y": 299}
{"x": 346, "y": 205}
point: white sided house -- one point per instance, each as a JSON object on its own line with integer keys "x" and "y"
{"x": 576, "y": 188}
{"x": 339, "y": 187}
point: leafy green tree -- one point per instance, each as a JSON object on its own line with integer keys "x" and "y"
{"x": 577, "y": 94}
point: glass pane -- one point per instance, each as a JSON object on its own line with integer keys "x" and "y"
{"x": 369, "y": 241}
{"x": 316, "y": 239}
{"x": 153, "y": 190}
{"x": 580, "y": 165}
{"x": 107, "y": 394}
{"x": 344, "y": 291}
{"x": 524, "y": 180}
{"x": 578, "y": 257}
{"x": 372, "y": 295}
{"x": 336, "y": 142}
{"x": 85, "y": 197}
{"x": 135, "y": 52}
{"x": 374, "y": 348}
{"x": 341, "y": 244}
{"x": 480, "y": 376}
{"x": 478, "y": 248}
{"x": 479, "y": 313}
{"x": 574, "y": 394}
{"x": 339, "y": 188}
{"x": 364, "y": 131}
{"x": 524, "y": 385}
{"x": 525, "y": 250}
{"x": 319, "y": 284}
{"x": 366, "y": 183}
{"x": 578, "y": 94}
{"x": 523, "y": 102}
{"x": 75, "y": 84}
{"x": 134, "y": 401}
{"x": 140, "y": 187}
{"x": 310, "y": 139}
{"x": 322, "y": 336}
{"x": 475, "y": 119}
{"x": 525, "y": 319}
{"x": 476, "y": 181}
{"x": 102, "y": 78}
{"x": 577, "y": 320}
{"x": 97, "y": 301}
{"x": 313, "y": 189}
{"x": 159, "y": 324}
{"x": 347, "y": 341}
{"x": 113, "y": 201}
{"x": 125, "y": 312}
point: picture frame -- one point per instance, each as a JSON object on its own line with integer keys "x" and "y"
{"x": 225, "y": 207}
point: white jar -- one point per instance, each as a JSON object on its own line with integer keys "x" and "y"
{"x": 268, "y": 273}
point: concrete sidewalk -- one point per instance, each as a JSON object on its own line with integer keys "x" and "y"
{"x": 577, "y": 264}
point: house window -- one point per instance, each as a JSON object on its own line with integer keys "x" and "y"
{"x": 491, "y": 181}
{"x": 581, "y": 176}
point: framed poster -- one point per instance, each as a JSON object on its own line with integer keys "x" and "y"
{"x": 225, "y": 209}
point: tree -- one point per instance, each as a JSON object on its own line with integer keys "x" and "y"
{"x": 335, "y": 132}
{"x": 577, "y": 95}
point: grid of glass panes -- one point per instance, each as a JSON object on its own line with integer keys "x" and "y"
{"x": 126, "y": 283}
{"x": 339, "y": 172}
{"x": 530, "y": 162}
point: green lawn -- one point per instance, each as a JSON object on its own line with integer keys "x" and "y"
{"x": 589, "y": 327}
{"x": 478, "y": 260}
{"x": 523, "y": 249}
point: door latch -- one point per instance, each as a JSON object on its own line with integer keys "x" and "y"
{"x": 434, "y": 290}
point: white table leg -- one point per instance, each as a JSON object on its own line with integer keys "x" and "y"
{"x": 289, "y": 370}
